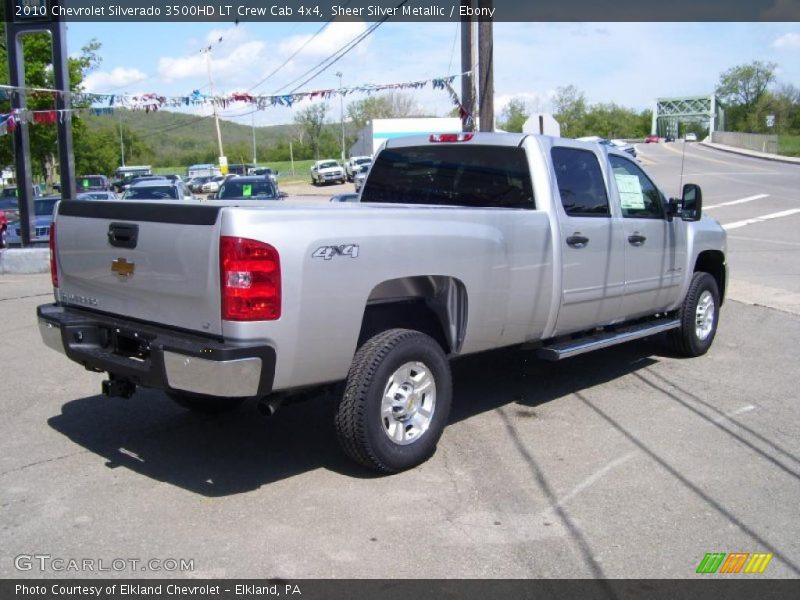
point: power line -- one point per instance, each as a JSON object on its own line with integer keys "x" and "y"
{"x": 337, "y": 55}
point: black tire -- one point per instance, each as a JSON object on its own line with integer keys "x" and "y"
{"x": 685, "y": 340}
{"x": 209, "y": 405}
{"x": 360, "y": 428}
{"x": 3, "y": 238}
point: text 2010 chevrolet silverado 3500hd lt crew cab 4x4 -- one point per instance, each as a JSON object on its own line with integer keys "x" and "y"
{"x": 461, "y": 243}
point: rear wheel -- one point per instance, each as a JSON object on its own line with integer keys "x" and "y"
{"x": 3, "y": 238}
{"x": 205, "y": 404}
{"x": 396, "y": 401}
{"x": 699, "y": 316}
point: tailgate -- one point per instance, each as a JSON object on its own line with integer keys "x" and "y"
{"x": 146, "y": 260}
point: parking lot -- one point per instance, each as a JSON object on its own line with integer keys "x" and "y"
{"x": 623, "y": 463}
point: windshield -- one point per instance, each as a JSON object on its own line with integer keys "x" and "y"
{"x": 248, "y": 189}
{"x": 9, "y": 192}
{"x": 91, "y": 182}
{"x": 451, "y": 175}
{"x": 161, "y": 192}
{"x": 363, "y": 161}
{"x": 329, "y": 165}
{"x": 96, "y": 196}
{"x": 44, "y": 207}
{"x": 8, "y": 203}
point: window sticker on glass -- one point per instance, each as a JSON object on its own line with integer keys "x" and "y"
{"x": 247, "y": 190}
{"x": 630, "y": 191}
{"x": 85, "y": 183}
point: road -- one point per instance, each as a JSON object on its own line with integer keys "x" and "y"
{"x": 623, "y": 463}
{"x": 757, "y": 201}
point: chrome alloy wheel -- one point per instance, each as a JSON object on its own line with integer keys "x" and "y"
{"x": 704, "y": 315}
{"x": 409, "y": 400}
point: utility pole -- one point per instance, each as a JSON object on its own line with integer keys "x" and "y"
{"x": 486, "y": 69}
{"x": 341, "y": 109}
{"x": 253, "y": 124}
{"x": 468, "y": 64}
{"x": 223, "y": 168}
{"x": 121, "y": 142}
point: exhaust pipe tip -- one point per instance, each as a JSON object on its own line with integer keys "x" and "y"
{"x": 269, "y": 405}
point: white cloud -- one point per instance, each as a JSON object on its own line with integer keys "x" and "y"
{"x": 119, "y": 77}
{"x": 787, "y": 40}
{"x": 232, "y": 54}
{"x": 329, "y": 41}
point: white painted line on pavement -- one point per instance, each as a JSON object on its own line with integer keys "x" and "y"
{"x": 777, "y": 215}
{"x": 742, "y": 201}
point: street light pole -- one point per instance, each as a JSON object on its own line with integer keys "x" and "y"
{"x": 341, "y": 110}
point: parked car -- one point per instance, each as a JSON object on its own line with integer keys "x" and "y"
{"x": 325, "y": 171}
{"x": 196, "y": 183}
{"x": 265, "y": 172}
{"x": 154, "y": 189}
{"x": 669, "y": 138}
{"x": 97, "y": 196}
{"x": 651, "y": 139}
{"x": 615, "y": 144}
{"x": 212, "y": 185}
{"x": 348, "y": 197}
{"x": 690, "y": 137}
{"x": 92, "y": 183}
{"x": 43, "y": 218}
{"x": 12, "y": 192}
{"x": 360, "y": 176}
{"x": 249, "y": 187}
{"x": 353, "y": 165}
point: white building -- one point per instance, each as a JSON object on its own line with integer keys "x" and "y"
{"x": 378, "y": 131}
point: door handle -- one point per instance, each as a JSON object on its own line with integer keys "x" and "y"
{"x": 576, "y": 240}
{"x": 636, "y": 239}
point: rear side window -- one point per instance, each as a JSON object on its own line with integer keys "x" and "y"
{"x": 451, "y": 175}
{"x": 580, "y": 182}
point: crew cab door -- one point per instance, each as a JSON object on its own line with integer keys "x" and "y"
{"x": 592, "y": 254}
{"x": 654, "y": 247}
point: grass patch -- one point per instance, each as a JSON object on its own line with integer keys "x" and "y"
{"x": 789, "y": 145}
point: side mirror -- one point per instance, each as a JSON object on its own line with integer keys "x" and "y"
{"x": 692, "y": 202}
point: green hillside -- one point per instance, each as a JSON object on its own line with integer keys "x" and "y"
{"x": 166, "y": 138}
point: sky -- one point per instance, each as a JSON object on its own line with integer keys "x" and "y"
{"x": 630, "y": 64}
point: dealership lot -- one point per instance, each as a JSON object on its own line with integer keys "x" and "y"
{"x": 623, "y": 463}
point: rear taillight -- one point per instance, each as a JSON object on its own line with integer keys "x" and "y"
{"x": 53, "y": 263}
{"x": 250, "y": 277}
{"x": 450, "y": 137}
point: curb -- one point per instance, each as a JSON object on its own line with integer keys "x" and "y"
{"x": 791, "y": 160}
{"x": 24, "y": 260}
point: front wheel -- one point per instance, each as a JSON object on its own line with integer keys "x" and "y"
{"x": 396, "y": 401}
{"x": 699, "y": 316}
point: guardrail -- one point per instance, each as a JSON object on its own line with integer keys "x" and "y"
{"x": 749, "y": 141}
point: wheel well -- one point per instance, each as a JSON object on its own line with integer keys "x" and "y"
{"x": 713, "y": 263}
{"x": 434, "y": 305}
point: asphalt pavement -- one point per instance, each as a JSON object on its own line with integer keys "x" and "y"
{"x": 627, "y": 462}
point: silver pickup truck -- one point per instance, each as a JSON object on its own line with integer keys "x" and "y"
{"x": 461, "y": 243}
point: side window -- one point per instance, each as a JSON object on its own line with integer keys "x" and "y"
{"x": 580, "y": 182}
{"x": 638, "y": 197}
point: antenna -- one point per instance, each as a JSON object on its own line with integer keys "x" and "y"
{"x": 683, "y": 158}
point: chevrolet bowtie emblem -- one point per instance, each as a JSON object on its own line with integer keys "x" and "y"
{"x": 122, "y": 267}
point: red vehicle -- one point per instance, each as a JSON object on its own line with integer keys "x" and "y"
{"x": 651, "y": 139}
{"x": 3, "y": 229}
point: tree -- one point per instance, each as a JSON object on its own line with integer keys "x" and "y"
{"x": 514, "y": 115}
{"x": 569, "y": 109}
{"x": 310, "y": 122}
{"x": 743, "y": 85}
{"x": 37, "y": 50}
{"x": 393, "y": 105}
